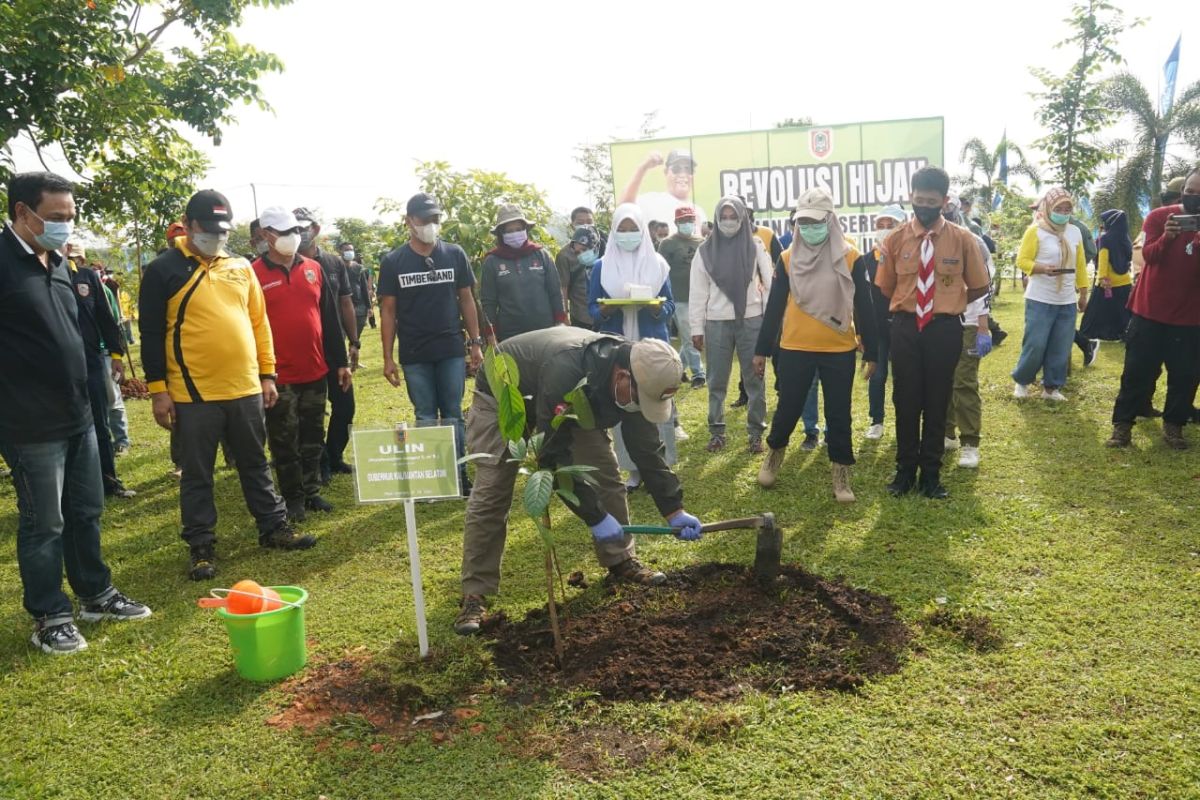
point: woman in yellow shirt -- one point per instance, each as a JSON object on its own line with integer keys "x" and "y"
{"x": 1107, "y": 313}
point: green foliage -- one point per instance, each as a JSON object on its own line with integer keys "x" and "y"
{"x": 1073, "y": 107}
{"x": 505, "y": 383}
{"x": 983, "y": 170}
{"x": 595, "y": 173}
{"x": 1012, "y": 218}
{"x": 539, "y": 487}
{"x": 371, "y": 240}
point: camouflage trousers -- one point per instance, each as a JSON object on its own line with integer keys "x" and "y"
{"x": 296, "y": 432}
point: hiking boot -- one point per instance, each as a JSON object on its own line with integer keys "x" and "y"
{"x": 698, "y": 382}
{"x": 931, "y": 486}
{"x": 756, "y": 446}
{"x": 470, "y": 617}
{"x": 811, "y": 440}
{"x": 58, "y": 640}
{"x": 716, "y": 443}
{"x": 318, "y": 503}
{"x": 285, "y": 537}
{"x": 904, "y": 481}
{"x": 841, "y": 483}
{"x": 204, "y": 562}
{"x": 295, "y": 511}
{"x": 116, "y": 606}
{"x": 1122, "y": 435}
{"x": 1173, "y": 436}
{"x": 633, "y": 571}
{"x": 769, "y": 472}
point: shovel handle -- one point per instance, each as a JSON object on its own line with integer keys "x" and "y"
{"x": 652, "y": 530}
{"x": 726, "y": 525}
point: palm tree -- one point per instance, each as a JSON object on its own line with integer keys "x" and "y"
{"x": 1148, "y": 163}
{"x": 983, "y": 166}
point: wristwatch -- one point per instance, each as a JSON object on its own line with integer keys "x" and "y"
{"x": 476, "y": 342}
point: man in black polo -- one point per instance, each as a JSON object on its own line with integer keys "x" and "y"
{"x": 341, "y": 400}
{"x": 46, "y": 431}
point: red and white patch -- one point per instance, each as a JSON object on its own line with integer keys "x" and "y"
{"x": 83, "y": 289}
{"x": 820, "y": 142}
{"x": 311, "y": 275}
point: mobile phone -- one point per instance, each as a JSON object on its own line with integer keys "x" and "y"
{"x": 1187, "y": 222}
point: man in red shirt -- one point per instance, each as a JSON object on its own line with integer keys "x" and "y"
{"x": 302, "y": 310}
{"x": 1165, "y": 327}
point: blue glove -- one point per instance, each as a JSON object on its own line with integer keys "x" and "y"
{"x": 608, "y": 529}
{"x": 689, "y": 526}
{"x": 983, "y": 344}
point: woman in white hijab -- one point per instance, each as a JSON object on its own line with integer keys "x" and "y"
{"x": 630, "y": 261}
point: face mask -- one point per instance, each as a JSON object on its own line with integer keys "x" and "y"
{"x": 427, "y": 233}
{"x": 587, "y": 257}
{"x": 209, "y": 244}
{"x": 927, "y": 215}
{"x": 729, "y": 226}
{"x": 1191, "y": 203}
{"x": 306, "y": 238}
{"x": 515, "y": 239}
{"x": 949, "y": 216}
{"x": 54, "y": 234}
{"x": 287, "y": 246}
{"x": 262, "y": 248}
{"x": 1059, "y": 219}
{"x": 814, "y": 234}
{"x": 629, "y": 240}
{"x": 686, "y": 228}
{"x": 348, "y": 255}
{"x": 881, "y": 235}
{"x": 630, "y": 407}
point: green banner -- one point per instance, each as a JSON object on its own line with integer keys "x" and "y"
{"x": 405, "y": 464}
{"x": 865, "y": 166}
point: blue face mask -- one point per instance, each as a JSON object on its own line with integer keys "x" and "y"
{"x": 587, "y": 257}
{"x": 628, "y": 240}
{"x": 686, "y": 228}
{"x": 814, "y": 234}
{"x": 54, "y": 234}
{"x": 1059, "y": 219}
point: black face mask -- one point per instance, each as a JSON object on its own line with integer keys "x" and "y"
{"x": 1191, "y": 203}
{"x": 927, "y": 215}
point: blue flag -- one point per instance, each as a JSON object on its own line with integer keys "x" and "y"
{"x": 998, "y": 199}
{"x": 1170, "y": 72}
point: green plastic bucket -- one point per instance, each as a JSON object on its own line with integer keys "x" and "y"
{"x": 269, "y": 645}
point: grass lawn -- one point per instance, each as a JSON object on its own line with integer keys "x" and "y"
{"x": 1087, "y": 560}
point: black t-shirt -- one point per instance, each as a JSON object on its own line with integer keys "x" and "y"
{"x": 428, "y": 325}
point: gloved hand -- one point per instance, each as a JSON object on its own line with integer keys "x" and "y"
{"x": 607, "y": 529}
{"x": 689, "y": 526}
{"x": 983, "y": 344}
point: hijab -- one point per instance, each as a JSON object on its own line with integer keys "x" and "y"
{"x": 1047, "y": 204}
{"x": 818, "y": 278}
{"x": 620, "y": 268}
{"x": 1116, "y": 239}
{"x": 730, "y": 260}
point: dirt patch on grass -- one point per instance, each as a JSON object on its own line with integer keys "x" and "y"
{"x": 976, "y": 631}
{"x": 710, "y": 633}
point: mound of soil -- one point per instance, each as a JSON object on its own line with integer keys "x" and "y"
{"x": 710, "y": 633}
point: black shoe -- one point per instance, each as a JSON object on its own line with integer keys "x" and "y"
{"x": 1150, "y": 412}
{"x": 116, "y": 606}
{"x": 58, "y": 640}
{"x": 698, "y": 382}
{"x": 341, "y": 468}
{"x": 740, "y": 402}
{"x": 810, "y": 442}
{"x": 118, "y": 489}
{"x": 998, "y": 338}
{"x": 1092, "y": 351}
{"x": 285, "y": 537}
{"x": 295, "y": 510}
{"x": 904, "y": 482}
{"x": 204, "y": 562}
{"x": 318, "y": 503}
{"x": 931, "y": 486}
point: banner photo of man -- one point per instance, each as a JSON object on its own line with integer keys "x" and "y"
{"x": 864, "y": 166}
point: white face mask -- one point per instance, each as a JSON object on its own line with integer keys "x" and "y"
{"x": 881, "y": 235}
{"x": 729, "y": 226}
{"x": 348, "y": 255}
{"x": 287, "y": 245}
{"x": 427, "y": 233}
{"x": 209, "y": 244}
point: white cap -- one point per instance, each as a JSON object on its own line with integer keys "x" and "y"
{"x": 278, "y": 218}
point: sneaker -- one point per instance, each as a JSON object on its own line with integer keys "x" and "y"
{"x": 810, "y": 442}
{"x": 632, "y": 486}
{"x": 969, "y": 458}
{"x": 1054, "y": 395}
{"x": 875, "y": 431}
{"x": 318, "y": 503}
{"x": 470, "y": 616}
{"x": 285, "y": 537}
{"x": 716, "y": 443}
{"x": 698, "y": 382}
{"x": 295, "y": 510}
{"x": 341, "y": 468}
{"x": 58, "y": 640}
{"x": 680, "y": 434}
{"x": 1093, "y": 351}
{"x": 841, "y": 484}
{"x": 117, "y": 606}
{"x": 1020, "y": 391}
{"x": 1122, "y": 435}
{"x": 951, "y": 444}
{"x": 633, "y": 571}
{"x": 756, "y": 446}
{"x": 904, "y": 481}
{"x": 176, "y": 473}
{"x": 1173, "y": 436}
{"x": 768, "y": 473}
{"x": 204, "y": 562}
{"x": 118, "y": 489}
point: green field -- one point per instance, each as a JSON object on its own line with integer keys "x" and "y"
{"x": 1087, "y": 560}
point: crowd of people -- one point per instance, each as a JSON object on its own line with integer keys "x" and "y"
{"x": 259, "y": 352}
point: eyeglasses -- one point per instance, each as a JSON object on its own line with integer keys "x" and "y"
{"x": 680, "y": 169}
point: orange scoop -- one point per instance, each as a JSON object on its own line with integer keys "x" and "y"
{"x": 246, "y": 597}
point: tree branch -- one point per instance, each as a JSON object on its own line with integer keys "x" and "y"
{"x": 151, "y": 39}
{"x": 37, "y": 148}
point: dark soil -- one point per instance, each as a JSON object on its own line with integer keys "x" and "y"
{"x": 710, "y": 633}
{"x": 976, "y": 631}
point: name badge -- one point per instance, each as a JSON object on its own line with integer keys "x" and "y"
{"x": 950, "y": 261}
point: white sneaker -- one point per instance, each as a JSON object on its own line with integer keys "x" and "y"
{"x": 951, "y": 444}
{"x": 680, "y": 434}
{"x": 1020, "y": 391}
{"x": 875, "y": 432}
{"x": 969, "y": 459}
{"x": 1055, "y": 395}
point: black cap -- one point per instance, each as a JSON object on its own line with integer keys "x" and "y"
{"x": 423, "y": 205}
{"x": 586, "y": 235}
{"x": 302, "y": 214}
{"x": 211, "y": 210}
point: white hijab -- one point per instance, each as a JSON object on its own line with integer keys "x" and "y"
{"x": 619, "y": 268}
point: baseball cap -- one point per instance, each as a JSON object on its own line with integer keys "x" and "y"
{"x": 423, "y": 204}
{"x": 586, "y": 235}
{"x": 304, "y": 218}
{"x": 211, "y": 210}
{"x": 76, "y": 250}
{"x": 657, "y": 371}
{"x": 814, "y": 203}
{"x": 278, "y": 218}
{"x": 684, "y": 211}
{"x": 1176, "y": 185}
{"x": 676, "y": 156}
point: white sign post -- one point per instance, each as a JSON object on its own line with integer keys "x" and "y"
{"x": 405, "y": 464}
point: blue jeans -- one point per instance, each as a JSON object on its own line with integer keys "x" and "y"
{"x": 687, "y": 353}
{"x": 59, "y": 501}
{"x": 1049, "y": 334}
{"x": 809, "y": 414}
{"x": 877, "y": 387}
{"x": 436, "y": 392}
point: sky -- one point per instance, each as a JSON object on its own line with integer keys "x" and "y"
{"x": 371, "y": 88}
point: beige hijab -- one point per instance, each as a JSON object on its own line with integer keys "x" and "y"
{"x": 819, "y": 280}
